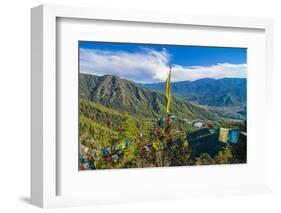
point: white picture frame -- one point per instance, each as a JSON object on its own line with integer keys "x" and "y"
{"x": 44, "y": 155}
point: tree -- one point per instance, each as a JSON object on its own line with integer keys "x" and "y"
{"x": 225, "y": 156}
{"x": 204, "y": 159}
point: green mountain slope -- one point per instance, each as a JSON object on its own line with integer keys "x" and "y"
{"x": 127, "y": 96}
{"x": 211, "y": 92}
{"x": 107, "y": 126}
{"x": 225, "y": 97}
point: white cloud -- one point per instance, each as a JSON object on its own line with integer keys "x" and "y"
{"x": 149, "y": 65}
{"x": 223, "y": 70}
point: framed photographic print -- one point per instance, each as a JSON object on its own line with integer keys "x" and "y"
{"x": 148, "y": 106}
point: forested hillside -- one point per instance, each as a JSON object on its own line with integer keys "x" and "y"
{"x": 226, "y": 96}
{"x": 124, "y": 125}
{"x": 128, "y": 96}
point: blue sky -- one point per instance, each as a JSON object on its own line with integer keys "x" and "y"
{"x": 147, "y": 63}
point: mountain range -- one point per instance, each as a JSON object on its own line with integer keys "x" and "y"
{"x": 226, "y": 97}
{"x": 127, "y": 96}
{"x": 208, "y": 91}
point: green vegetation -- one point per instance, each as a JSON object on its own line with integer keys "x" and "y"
{"x": 115, "y": 111}
{"x": 226, "y": 97}
{"x": 224, "y": 156}
{"x": 208, "y": 91}
{"x": 204, "y": 159}
{"x": 127, "y": 96}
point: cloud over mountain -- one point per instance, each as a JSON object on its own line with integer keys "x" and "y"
{"x": 149, "y": 65}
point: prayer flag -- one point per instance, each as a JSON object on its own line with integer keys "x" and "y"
{"x": 168, "y": 91}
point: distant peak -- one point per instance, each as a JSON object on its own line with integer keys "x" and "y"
{"x": 206, "y": 79}
{"x": 110, "y": 77}
{"x": 101, "y": 76}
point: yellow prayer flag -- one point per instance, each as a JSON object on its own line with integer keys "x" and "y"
{"x": 168, "y": 92}
{"x": 223, "y": 136}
